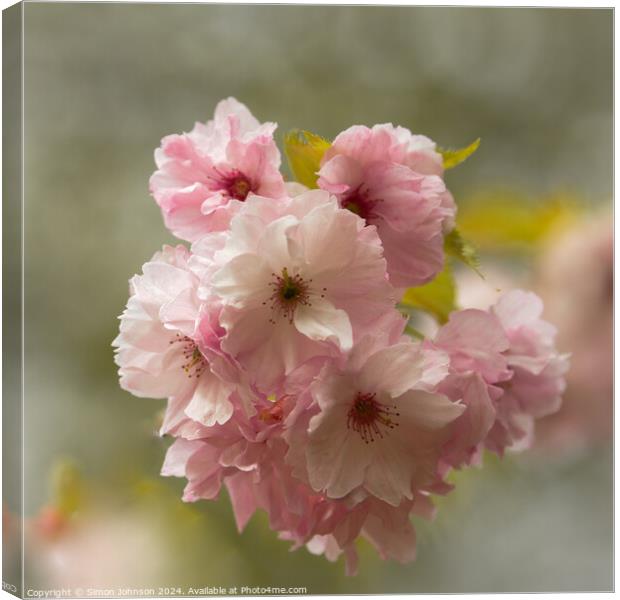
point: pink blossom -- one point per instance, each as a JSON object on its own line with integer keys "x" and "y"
{"x": 378, "y": 429}
{"x": 536, "y": 387}
{"x": 297, "y": 279}
{"x": 278, "y": 346}
{"x": 247, "y": 455}
{"x": 373, "y": 173}
{"x": 203, "y": 176}
{"x": 475, "y": 341}
{"x": 505, "y": 368}
{"x": 168, "y": 340}
{"x": 388, "y": 528}
{"x": 240, "y": 445}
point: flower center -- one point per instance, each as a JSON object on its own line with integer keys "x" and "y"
{"x": 288, "y": 292}
{"x": 370, "y": 418}
{"x": 195, "y": 363}
{"x": 358, "y": 202}
{"x": 240, "y": 188}
{"x": 237, "y": 185}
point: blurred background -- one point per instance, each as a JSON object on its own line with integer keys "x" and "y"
{"x": 103, "y": 84}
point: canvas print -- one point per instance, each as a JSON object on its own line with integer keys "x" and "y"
{"x": 306, "y": 300}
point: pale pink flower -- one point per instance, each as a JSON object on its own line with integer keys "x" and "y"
{"x": 168, "y": 341}
{"x": 475, "y": 341}
{"x": 298, "y": 279}
{"x": 505, "y": 369}
{"x": 203, "y": 176}
{"x": 378, "y": 429}
{"x": 536, "y": 387}
{"x": 372, "y": 172}
{"x": 247, "y": 455}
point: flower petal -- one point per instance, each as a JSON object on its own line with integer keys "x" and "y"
{"x": 329, "y": 238}
{"x": 429, "y": 411}
{"x": 211, "y": 403}
{"x": 321, "y": 320}
{"x": 401, "y": 367}
{"x": 277, "y": 246}
{"x": 243, "y": 282}
{"x": 337, "y": 458}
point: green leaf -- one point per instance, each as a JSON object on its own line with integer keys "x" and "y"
{"x": 437, "y": 298}
{"x": 304, "y": 151}
{"x": 458, "y": 247}
{"x": 452, "y": 158}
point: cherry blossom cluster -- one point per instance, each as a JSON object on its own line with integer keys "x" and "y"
{"x": 277, "y": 340}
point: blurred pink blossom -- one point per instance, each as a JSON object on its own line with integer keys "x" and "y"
{"x": 574, "y": 276}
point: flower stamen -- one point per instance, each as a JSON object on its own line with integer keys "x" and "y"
{"x": 370, "y": 418}
{"x": 240, "y": 188}
{"x": 195, "y": 363}
{"x": 235, "y": 184}
{"x": 288, "y": 292}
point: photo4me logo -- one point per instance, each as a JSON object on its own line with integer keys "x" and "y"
{"x": 245, "y": 590}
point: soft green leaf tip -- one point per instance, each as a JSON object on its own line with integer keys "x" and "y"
{"x": 458, "y": 247}
{"x": 452, "y": 158}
